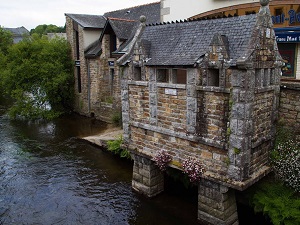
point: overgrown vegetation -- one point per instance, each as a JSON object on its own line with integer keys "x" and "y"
{"x": 286, "y": 163}
{"x": 37, "y": 74}
{"x": 279, "y": 202}
{"x": 115, "y": 147}
{"x": 117, "y": 119}
{"x": 279, "y": 198}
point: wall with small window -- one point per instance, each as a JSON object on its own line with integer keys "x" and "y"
{"x": 171, "y": 75}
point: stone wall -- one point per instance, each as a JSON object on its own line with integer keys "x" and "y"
{"x": 81, "y": 104}
{"x": 212, "y": 118}
{"x": 289, "y": 107}
{"x": 161, "y": 113}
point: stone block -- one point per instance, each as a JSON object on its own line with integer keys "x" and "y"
{"x": 191, "y": 91}
{"x": 191, "y": 76}
{"x": 216, "y": 205}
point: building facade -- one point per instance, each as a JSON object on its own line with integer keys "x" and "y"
{"x": 93, "y": 40}
{"x": 206, "y": 90}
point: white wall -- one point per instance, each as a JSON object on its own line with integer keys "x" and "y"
{"x": 90, "y": 36}
{"x": 182, "y": 9}
{"x": 297, "y": 64}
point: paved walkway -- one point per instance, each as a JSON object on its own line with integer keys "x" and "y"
{"x": 101, "y": 139}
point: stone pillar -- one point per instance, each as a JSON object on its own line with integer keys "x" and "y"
{"x": 125, "y": 103}
{"x": 152, "y": 96}
{"x": 241, "y": 124}
{"x": 191, "y": 99}
{"x": 216, "y": 204}
{"x": 147, "y": 179}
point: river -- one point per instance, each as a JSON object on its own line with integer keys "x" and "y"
{"x": 49, "y": 176}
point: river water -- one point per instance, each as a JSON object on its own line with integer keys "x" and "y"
{"x": 49, "y": 176}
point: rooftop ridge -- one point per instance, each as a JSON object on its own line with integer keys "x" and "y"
{"x": 79, "y": 14}
{"x": 194, "y": 19}
{"x": 132, "y": 7}
{"x": 120, "y": 19}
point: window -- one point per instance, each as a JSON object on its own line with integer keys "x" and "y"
{"x": 78, "y": 79}
{"x": 113, "y": 43}
{"x": 77, "y": 44}
{"x": 137, "y": 73}
{"x": 213, "y": 78}
{"x": 288, "y": 54}
{"x": 278, "y": 16}
{"x": 179, "y": 76}
{"x": 111, "y": 80}
{"x": 162, "y": 75}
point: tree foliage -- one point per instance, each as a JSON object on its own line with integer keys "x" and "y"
{"x": 39, "y": 77}
{"x": 6, "y": 40}
{"x": 44, "y": 29}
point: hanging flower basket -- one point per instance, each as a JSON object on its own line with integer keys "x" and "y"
{"x": 193, "y": 169}
{"x": 162, "y": 159}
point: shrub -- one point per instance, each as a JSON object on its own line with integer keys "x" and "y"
{"x": 162, "y": 159}
{"x": 117, "y": 119}
{"x": 285, "y": 159}
{"x": 115, "y": 147}
{"x": 278, "y": 202}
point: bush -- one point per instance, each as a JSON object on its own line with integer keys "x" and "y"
{"x": 117, "y": 119}
{"x": 285, "y": 160}
{"x": 115, "y": 147}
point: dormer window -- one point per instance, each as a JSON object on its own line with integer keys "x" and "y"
{"x": 137, "y": 73}
{"x": 213, "y": 77}
{"x": 113, "y": 43}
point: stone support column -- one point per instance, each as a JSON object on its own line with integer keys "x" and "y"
{"x": 241, "y": 124}
{"x": 152, "y": 96}
{"x": 191, "y": 112}
{"x": 216, "y": 204}
{"x": 147, "y": 179}
{"x": 125, "y": 104}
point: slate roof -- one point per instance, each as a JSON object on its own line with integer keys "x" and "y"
{"x": 88, "y": 21}
{"x": 17, "y": 33}
{"x": 151, "y": 11}
{"x": 124, "y": 23}
{"x": 184, "y": 43}
{"x": 123, "y": 28}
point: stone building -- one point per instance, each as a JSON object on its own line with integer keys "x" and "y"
{"x": 93, "y": 40}
{"x": 206, "y": 90}
{"x": 18, "y": 33}
{"x": 82, "y": 31}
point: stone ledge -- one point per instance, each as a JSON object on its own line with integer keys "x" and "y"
{"x": 102, "y": 138}
{"x": 290, "y": 84}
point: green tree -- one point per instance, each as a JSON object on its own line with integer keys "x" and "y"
{"x": 39, "y": 77}
{"x": 6, "y": 40}
{"x": 45, "y": 29}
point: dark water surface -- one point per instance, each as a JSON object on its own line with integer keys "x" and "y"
{"x": 49, "y": 176}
